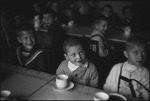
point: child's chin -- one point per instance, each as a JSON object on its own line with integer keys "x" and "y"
{"x": 79, "y": 64}
{"x": 29, "y": 47}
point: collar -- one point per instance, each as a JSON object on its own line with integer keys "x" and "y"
{"x": 130, "y": 67}
{"x": 73, "y": 67}
{"x": 97, "y": 32}
{"x": 25, "y": 53}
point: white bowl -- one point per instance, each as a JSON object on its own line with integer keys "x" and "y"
{"x": 5, "y": 95}
{"x": 117, "y": 96}
{"x": 101, "y": 96}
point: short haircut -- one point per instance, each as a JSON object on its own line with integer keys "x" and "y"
{"x": 49, "y": 11}
{"x": 127, "y": 7}
{"x": 70, "y": 42}
{"x": 135, "y": 40}
{"x": 99, "y": 18}
{"x": 107, "y": 6}
{"x": 24, "y": 27}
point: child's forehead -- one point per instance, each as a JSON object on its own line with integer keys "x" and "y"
{"x": 48, "y": 15}
{"x": 25, "y": 32}
{"x": 101, "y": 22}
{"x": 137, "y": 46}
{"x": 70, "y": 48}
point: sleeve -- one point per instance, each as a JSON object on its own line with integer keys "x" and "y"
{"x": 94, "y": 77}
{"x": 102, "y": 51}
{"x": 60, "y": 69}
{"x": 112, "y": 79}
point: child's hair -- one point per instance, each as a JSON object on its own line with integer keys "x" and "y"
{"x": 127, "y": 7}
{"x": 100, "y": 18}
{"x": 70, "y": 42}
{"x": 135, "y": 40}
{"x": 107, "y": 6}
{"x": 24, "y": 27}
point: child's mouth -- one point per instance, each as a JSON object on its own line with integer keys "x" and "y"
{"x": 79, "y": 61}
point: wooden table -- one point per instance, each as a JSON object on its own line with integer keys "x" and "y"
{"x": 80, "y": 31}
{"x": 22, "y": 82}
{"x": 78, "y": 92}
{"x": 26, "y": 84}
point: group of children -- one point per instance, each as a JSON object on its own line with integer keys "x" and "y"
{"x": 130, "y": 78}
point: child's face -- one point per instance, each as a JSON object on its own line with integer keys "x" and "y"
{"x": 48, "y": 19}
{"x": 136, "y": 55}
{"x": 128, "y": 14}
{"x": 75, "y": 55}
{"x": 102, "y": 26}
{"x": 107, "y": 11}
{"x": 27, "y": 40}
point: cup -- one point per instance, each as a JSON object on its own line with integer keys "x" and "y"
{"x": 127, "y": 31}
{"x": 5, "y": 95}
{"x": 116, "y": 97}
{"x": 101, "y": 96}
{"x": 62, "y": 81}
{"x": 70, "y": 23}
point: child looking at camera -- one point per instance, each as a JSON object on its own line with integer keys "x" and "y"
{"x": 28, "y": 53}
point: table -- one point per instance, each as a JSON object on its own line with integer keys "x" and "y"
{"x": 117, "y": 35}
{"x": 27, "y": 84}
{"x": 22, "y": 82}
{"x": 79, "y": 92}
{"x": 80, "y": 31}
{"x": 112, "y": 35}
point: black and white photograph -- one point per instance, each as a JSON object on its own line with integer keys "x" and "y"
{"x": 75, "y": 50}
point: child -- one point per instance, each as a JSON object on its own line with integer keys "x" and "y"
{"x": 107, "y": 11}
{"x": 76, "y": 65}
{"x": 28, "y": 54}
{"x": 98, "y": 34}
{"x": 130, "y": 19}
{"x": 130, "y": 78}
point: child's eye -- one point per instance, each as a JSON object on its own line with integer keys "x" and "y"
{"x": 135, "y": 52}
{"x": 73, "y": 55}
{"x": 24, "y": 38}
{"x": 81, "y": 52}
{"x": 143, "y": 53}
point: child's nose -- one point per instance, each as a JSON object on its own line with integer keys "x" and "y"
{"x": 141, "y": 55}
{"x": 29, "y": 40}
{"x": 78, "y": 56}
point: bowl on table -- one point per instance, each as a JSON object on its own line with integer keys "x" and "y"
{"x": 5, "y": 95}
{"x": 116, "y": 97}
{"x": 101, "y": 96}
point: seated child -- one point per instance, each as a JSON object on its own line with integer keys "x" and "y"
{"x": 130, "y": 78}
{"x": 100, "y": 26}
{"x": 76, "y": 65}
{"x": 29, "y": 55}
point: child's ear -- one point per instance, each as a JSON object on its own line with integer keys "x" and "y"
{"x": 66, "y": 57}
{"x": 55, "y": 19}
{"x": 18, "y": 39}
{"x": 125, "y": 54}
{"x": 96, "y": 26}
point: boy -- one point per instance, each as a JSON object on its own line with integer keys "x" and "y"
{"x": 130, "y": 78}
{"x": 100, "y": 26}
{"x": 76, "y": 65}
{"x": 28, "y": 54}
